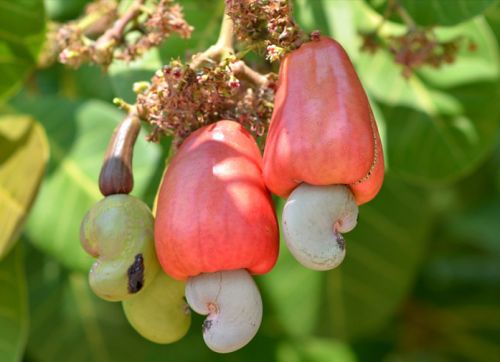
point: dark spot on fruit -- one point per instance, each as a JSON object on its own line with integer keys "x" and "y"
{"x": 136, "y": 274}
{"x": 207, "y": 324}
{"x": 340, "y": 241}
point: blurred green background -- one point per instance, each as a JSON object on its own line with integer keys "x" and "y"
{"x": 421, "y": 280}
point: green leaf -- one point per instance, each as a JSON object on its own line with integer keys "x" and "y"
{"x": 444, "y": 12}
{"x": 384, "y": 252}
{"x": 123, "y": 75}
{"x": 90, "y": 81}
{"x": 478, "y": 226}
{"x": 311, "y": 15}
{"x": 23, "y": 155}
{"x": 436, "y": 12}
{"x": 315, "y": 350}
{"x": 288, "y": 283}
{"x": 469, "y": 256}
{"x": 64, "y": 10}
{"x": 22, "y": 27}
{"x": 453, "y": 314}
{"x": 458, "y": 291}
{"x": 447, "y": 110}
{"x": 493, "y": 18}
{"x": 291, "y": 282}
{"x": 78, "y": 137}
{"x": 69, "y": 320}
{"x": 14, "y": 315}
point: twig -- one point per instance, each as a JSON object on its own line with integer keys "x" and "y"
{"x": 408, "y": 20}
{"x": 115, "y": 33}
{"x": 241, "y": 70}
{"x": 221, "y": 49}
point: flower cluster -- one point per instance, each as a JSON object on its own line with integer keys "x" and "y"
{"x": 167, "y": 18}
{"x": 102, "y": 35}
{"x": 419, "y": 46}
{"x": 416, "y": 48}
{"x": 268, "y": 23}
{"x": 179, "y": 99}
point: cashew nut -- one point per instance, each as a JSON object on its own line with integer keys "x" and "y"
{"x": 233, "y": 304}
{"x": 313, "y": 219}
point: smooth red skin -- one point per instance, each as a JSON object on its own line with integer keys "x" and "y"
{"x": 322, "y": 130}
{"x": 214, "y": 211}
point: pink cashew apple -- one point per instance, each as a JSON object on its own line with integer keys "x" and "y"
{"x": 215, "y": 224}
{"x": 322, "y": 133}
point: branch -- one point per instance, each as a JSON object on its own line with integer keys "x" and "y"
{"x": 241, "y": 70}
{"x": 221, "y": 49}
{"x": 408, "y": 20}
{"x": 104, "y": 45}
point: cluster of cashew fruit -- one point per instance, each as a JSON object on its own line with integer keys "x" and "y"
{"x": 215, "y": 222}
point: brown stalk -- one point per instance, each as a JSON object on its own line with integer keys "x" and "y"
{"x": 116, "y": 175}
{"x": 114, "y": 35}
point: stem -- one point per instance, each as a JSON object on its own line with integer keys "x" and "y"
{"x": 89, "y": 20}
{"x": 391, "y": 6}
{"x": 408, "y": 20}
{"x": 222, "y": 49}
{"x": 225, "y": 39}
{"x": 241, "y": 70}
{"x": 116, "y": 175}
{"x": 115, "y": 33}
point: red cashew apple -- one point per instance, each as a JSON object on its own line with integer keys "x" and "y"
{"x": 215, "y": 224}
{"x": 323, "y": 151}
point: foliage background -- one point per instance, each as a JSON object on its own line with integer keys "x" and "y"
{"x": 421, "y": 281}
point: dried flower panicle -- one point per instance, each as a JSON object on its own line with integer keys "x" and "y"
{"x": 420, "y": 47}
{"x": 180, "y": 100}
{"x": 266, "y": 22}
{"x": 102, "y": 35}
{"x": 414, "y": 49}
{"x": 371, "y": 42}
{"x": 73, "y": 40}
{"x": 167, "y": 18}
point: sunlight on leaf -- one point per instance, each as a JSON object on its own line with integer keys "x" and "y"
{"x": 24, "y": 152}
{"x": 315, "y": 350}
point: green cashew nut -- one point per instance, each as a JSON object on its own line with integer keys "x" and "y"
{"x": 160, "y": 313}
{"x": 118, "y": 231}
